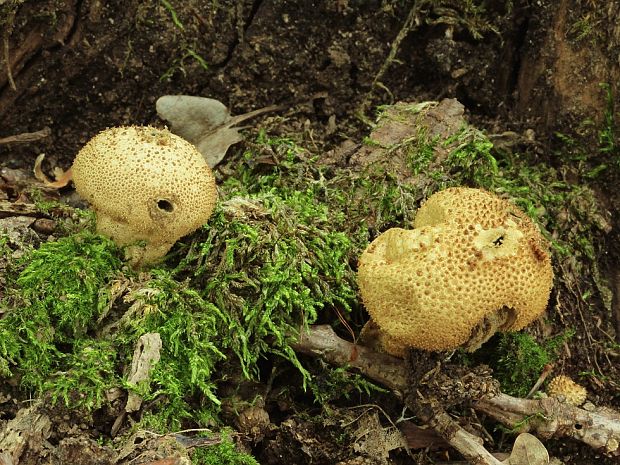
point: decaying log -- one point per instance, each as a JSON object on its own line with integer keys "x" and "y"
{"x": 30, "y": 429}
{"x": 18, "y": 209}
{"x": 548, "y": 418}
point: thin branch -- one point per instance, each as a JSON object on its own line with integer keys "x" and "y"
{"x": 27, "y": 136}
{"x": 7, "y": 54}
{"x": 404, "y": 31}
{"x": 322, "y": 342}
{"x": 468, "y": 445}
{"x": 549, "y": 417}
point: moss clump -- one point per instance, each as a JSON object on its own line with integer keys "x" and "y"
{"x": 54, "y": 301}
{"x": 521, "y": 360}
{"x": 193, "y": 333}
{"x": 331, "y": 384}
{"x": 265, "y": 266}
{"x": 223, "y": 453}
{"x": 609, "y": 133}
{"x": 272, "y": 269}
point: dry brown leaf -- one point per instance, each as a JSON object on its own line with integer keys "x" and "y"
{"x": 375, "y": 440}
{"x": 528, "y": 450}
{"x": 62, "y": 177}
{"x": 205, "y": 122}
{"x": 201, "y": 121}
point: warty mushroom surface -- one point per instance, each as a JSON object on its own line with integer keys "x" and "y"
{"x": 147, "y": 186}
{"x": 473, "y": 265}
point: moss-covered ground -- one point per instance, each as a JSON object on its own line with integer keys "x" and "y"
{"x": 279, "y": 254}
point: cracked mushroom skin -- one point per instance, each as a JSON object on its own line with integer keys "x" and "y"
{"x": 475, "y": 264}
{"x": 147, "y": 186}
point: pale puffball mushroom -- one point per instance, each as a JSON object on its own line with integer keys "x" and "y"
{"x": 474, "y": 264}
{"x": 147, "y": 186}
{"x": 565, "y": 388}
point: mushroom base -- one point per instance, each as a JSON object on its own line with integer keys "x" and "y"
{"x": 139, "y": 250}
{"x": 374, "y": 338}
{"x": 501, "y": 320}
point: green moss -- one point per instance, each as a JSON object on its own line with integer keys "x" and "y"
{"x": 272, "y": 273}
{"x": 568, "y": 213}
{"x": 55, "y": 300}
{"x": 61, "y": 282}
{"x": 521, "y": 360}
{"x": 278, "y": 254}
{"x": 223, "y": 453}
{"x": 193, "y": 333}
{"x": 264, "y": 267}
{"x": 84, "y": 375}
{"x": 331, "y": 384}
{"x": 609, "y": 134}
{"x": 188, "y": 44}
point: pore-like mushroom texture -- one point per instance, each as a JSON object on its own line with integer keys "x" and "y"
{"x": 567, "y": 389}
{"x": 147, "y": 186}
{"x": 473, "y": 265}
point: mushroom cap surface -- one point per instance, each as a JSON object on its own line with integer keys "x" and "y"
{"x": 563, "y": 386}
{"x": 473, "y": 265}
{"x": 464, "y": 206}
{"x": 145, "y": 184}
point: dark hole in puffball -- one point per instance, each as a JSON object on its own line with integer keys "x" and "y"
{"x": 165, "y": 205}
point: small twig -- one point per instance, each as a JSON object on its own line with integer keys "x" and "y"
{"x": 27, "y": 136}
{"x": 7, "y": 56}
{"x": 547, "y": 418}
{"x": 407, "y": 25}
{"x": 468, "y": 445}
{"x": 547, "y": 369}
{"x": 550, "y": 418}
{"x": 394, "y": 48}
{"x": 322, "y": 342}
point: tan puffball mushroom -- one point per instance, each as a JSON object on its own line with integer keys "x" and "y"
{"x": 145, "y": 184}
{"x": 563, "y": 386}
{"x": 473, "y": 265}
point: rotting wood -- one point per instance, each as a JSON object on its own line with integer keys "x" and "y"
{"x": 321, "y": 341}
{"x": 469, "y": 446}
{"x": 29, "y": 430}
{"x": 548, "y": 418}
{"x": 18, "y": 209}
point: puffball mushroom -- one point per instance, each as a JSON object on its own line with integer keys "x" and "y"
{"x": 473, "y": 265}
{"x": 565, "y": 388}
{"x": 145, "y": 185}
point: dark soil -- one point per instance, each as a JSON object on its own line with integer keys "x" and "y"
{"x": 79, "y": 66}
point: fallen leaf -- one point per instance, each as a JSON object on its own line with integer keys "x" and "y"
{"x": 205, "y": 122}
{"x": 528, "y": 450}
{"x": 62, "y": 177}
